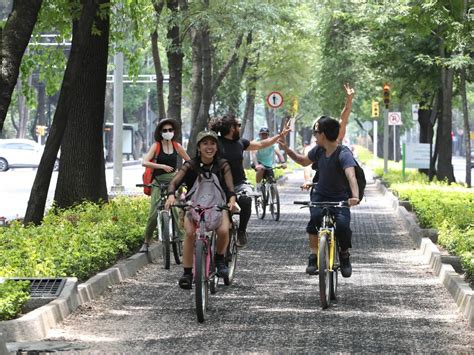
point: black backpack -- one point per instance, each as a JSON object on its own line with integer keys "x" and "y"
{"x": 359, "y": 172}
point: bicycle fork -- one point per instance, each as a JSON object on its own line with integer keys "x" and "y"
{"x": 329, "y": 232}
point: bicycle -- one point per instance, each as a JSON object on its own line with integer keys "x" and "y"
{"x": 328, "y": 251}
{"x": 232, "y": 249}
{"x": 167, "y": 228}
{"x": 269, "y": 195}
{"x": 205, "y": 272}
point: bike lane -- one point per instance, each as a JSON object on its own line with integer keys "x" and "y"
{"x": 392, "y": 303}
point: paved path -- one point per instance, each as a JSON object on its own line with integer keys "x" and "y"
{"x": 392, "y": 302}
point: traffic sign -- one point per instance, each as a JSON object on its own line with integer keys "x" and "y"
{"x": 414, "y": 111}
{"x": 395, "y": 119}
{"x": 367, "y": 125}
{"x": 275, "y": 99}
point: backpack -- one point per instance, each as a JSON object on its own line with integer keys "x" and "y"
{"x": 359, "y": 172}
{"x": 148, "y": 175}
{"x": 206, "y": 192}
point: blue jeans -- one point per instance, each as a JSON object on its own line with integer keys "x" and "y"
{"x": 342, "y": 217}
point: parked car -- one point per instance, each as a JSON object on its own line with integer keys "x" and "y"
{"x": 472, "y": 158}
{"x": 21, "y": 153}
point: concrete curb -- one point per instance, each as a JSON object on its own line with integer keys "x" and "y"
{"x": 3, "y": 346}
{"x": 460, "y": 290}
{"x": 36, "y": 324}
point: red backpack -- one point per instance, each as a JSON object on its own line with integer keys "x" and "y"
{"x": 148, "y": 174}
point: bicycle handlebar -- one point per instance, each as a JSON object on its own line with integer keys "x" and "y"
{"x": 161, "y": 185}
{"x": 339, "y": 204}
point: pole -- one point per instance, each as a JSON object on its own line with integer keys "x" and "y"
{"x": 376, "y": 139}
{"x": 274, "y": 121}
{"x": 118, "y": 122}
{"x": 403, "y": 160}
{"x": 147, "y": 119}
{"x": 385, "y": 141}
{"x": 394, "y": 142}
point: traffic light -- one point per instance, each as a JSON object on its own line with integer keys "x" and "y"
{"x": 375, "y": 109}
{"x": 41, "y": 130}
{"x": 386, "y": 95}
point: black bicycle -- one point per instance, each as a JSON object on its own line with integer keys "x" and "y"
{"x": 328, "y": 250}
{"x": 232, "y": 249}
{"x": 269, "y": 195}
{"x": 167, "y": 228}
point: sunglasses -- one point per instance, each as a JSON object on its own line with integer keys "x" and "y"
{"x": 164, "y": 130}
{"x": 238, "y": 124}
{"x": 316, "y": 132}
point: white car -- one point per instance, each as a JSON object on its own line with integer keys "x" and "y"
{"x": 21, "y": 153}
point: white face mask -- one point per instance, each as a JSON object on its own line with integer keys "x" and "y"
{"x": 167, "y": 135}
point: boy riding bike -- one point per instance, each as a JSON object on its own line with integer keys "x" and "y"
{"x": 263, "y": 159}
{"x": 337, "y": 182}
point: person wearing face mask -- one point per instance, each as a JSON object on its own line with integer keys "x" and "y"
{"x": 232, "y": 148}
{"x": 164, "y": 164}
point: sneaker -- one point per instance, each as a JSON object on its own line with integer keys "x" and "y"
{"x": 144, "y": 248}
{"x": 186, "y": 281}
{"x": 241, "y": 238}
{"x": 222, "y": 269}
{"x": 312, "y": 268}
{"x": 346, "y": 267}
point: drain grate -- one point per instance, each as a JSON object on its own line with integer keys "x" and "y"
{"x": 44, "y": 287}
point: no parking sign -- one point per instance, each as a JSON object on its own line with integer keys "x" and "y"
{"x": 395, "y": 119}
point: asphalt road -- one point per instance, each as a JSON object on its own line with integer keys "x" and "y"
{"x": 392, "y": 302}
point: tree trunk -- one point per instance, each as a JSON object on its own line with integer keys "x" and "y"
{"x": 78, "y": 122}
{"x": 174, "y": 53}
{"x": 444, "y": 143}
{"x": 467, "y": 130}
{"x": 14, "y": 39}
{"x": 41, "y": 108}
{"x": 206, "y": 79}
{"x": 157, "y": 63}
{"x": 196, "y": 79}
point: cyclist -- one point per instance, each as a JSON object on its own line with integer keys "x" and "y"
{"x": 164, "y": 165}
{"x": 264, "y": 158}
{"x": 232, "y": 148}
{"x": 333, "y": 185}
{"x": 206, "y": 160}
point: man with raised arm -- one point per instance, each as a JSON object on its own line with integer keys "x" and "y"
{"x": 337, "y": 182}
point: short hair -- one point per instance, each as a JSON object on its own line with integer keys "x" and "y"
{"x": 329, "y": 126}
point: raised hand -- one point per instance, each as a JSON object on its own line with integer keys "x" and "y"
{"x": 349, "y": 91}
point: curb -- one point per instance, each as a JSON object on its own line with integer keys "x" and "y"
{"x": 460, "y": 290}
{"x": 36, "y": 324}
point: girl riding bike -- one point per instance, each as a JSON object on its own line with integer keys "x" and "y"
{"x": 206, "y": 161}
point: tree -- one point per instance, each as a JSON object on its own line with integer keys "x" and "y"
{"x": 14, "y": 38}
{"x": 78, "y": 120}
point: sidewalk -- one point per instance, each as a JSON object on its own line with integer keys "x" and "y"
{"x": 392, "y": 303}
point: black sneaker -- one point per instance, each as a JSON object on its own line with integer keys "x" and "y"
{"x": 312, "y": 268}
{"x": 222, "y": 269}
{"x": 186, "y": 281}
{"x": 144, "y": 248}
{"x": 346, "y": 267}
{"x": 241, "y": 238}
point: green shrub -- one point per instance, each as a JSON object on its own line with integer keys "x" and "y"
{"x": 446, "y": 207}
{"x": 76, "y": 242}
{"x": 13, "y": 296}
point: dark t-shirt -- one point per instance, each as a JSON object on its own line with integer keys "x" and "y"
{"x": 165, "y": 159}
{"x": 332, "y": 182}
{"x": 233, "y": 151}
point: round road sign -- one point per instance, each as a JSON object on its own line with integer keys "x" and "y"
{"x": 394, "y": 118}
{"x": 275, "y": 99}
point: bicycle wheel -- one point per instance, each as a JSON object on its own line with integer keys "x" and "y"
{"x": 334, "y": 278}
{"x": 274, "y": 202}
{"x": 176, "y": 242}
{"x": 165, "y": 238}
{"x": 201, "y": 282}
{"x": 231, "y": 258}
{"x": 324, "y": 272}
{"x": 212, "y": 273}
